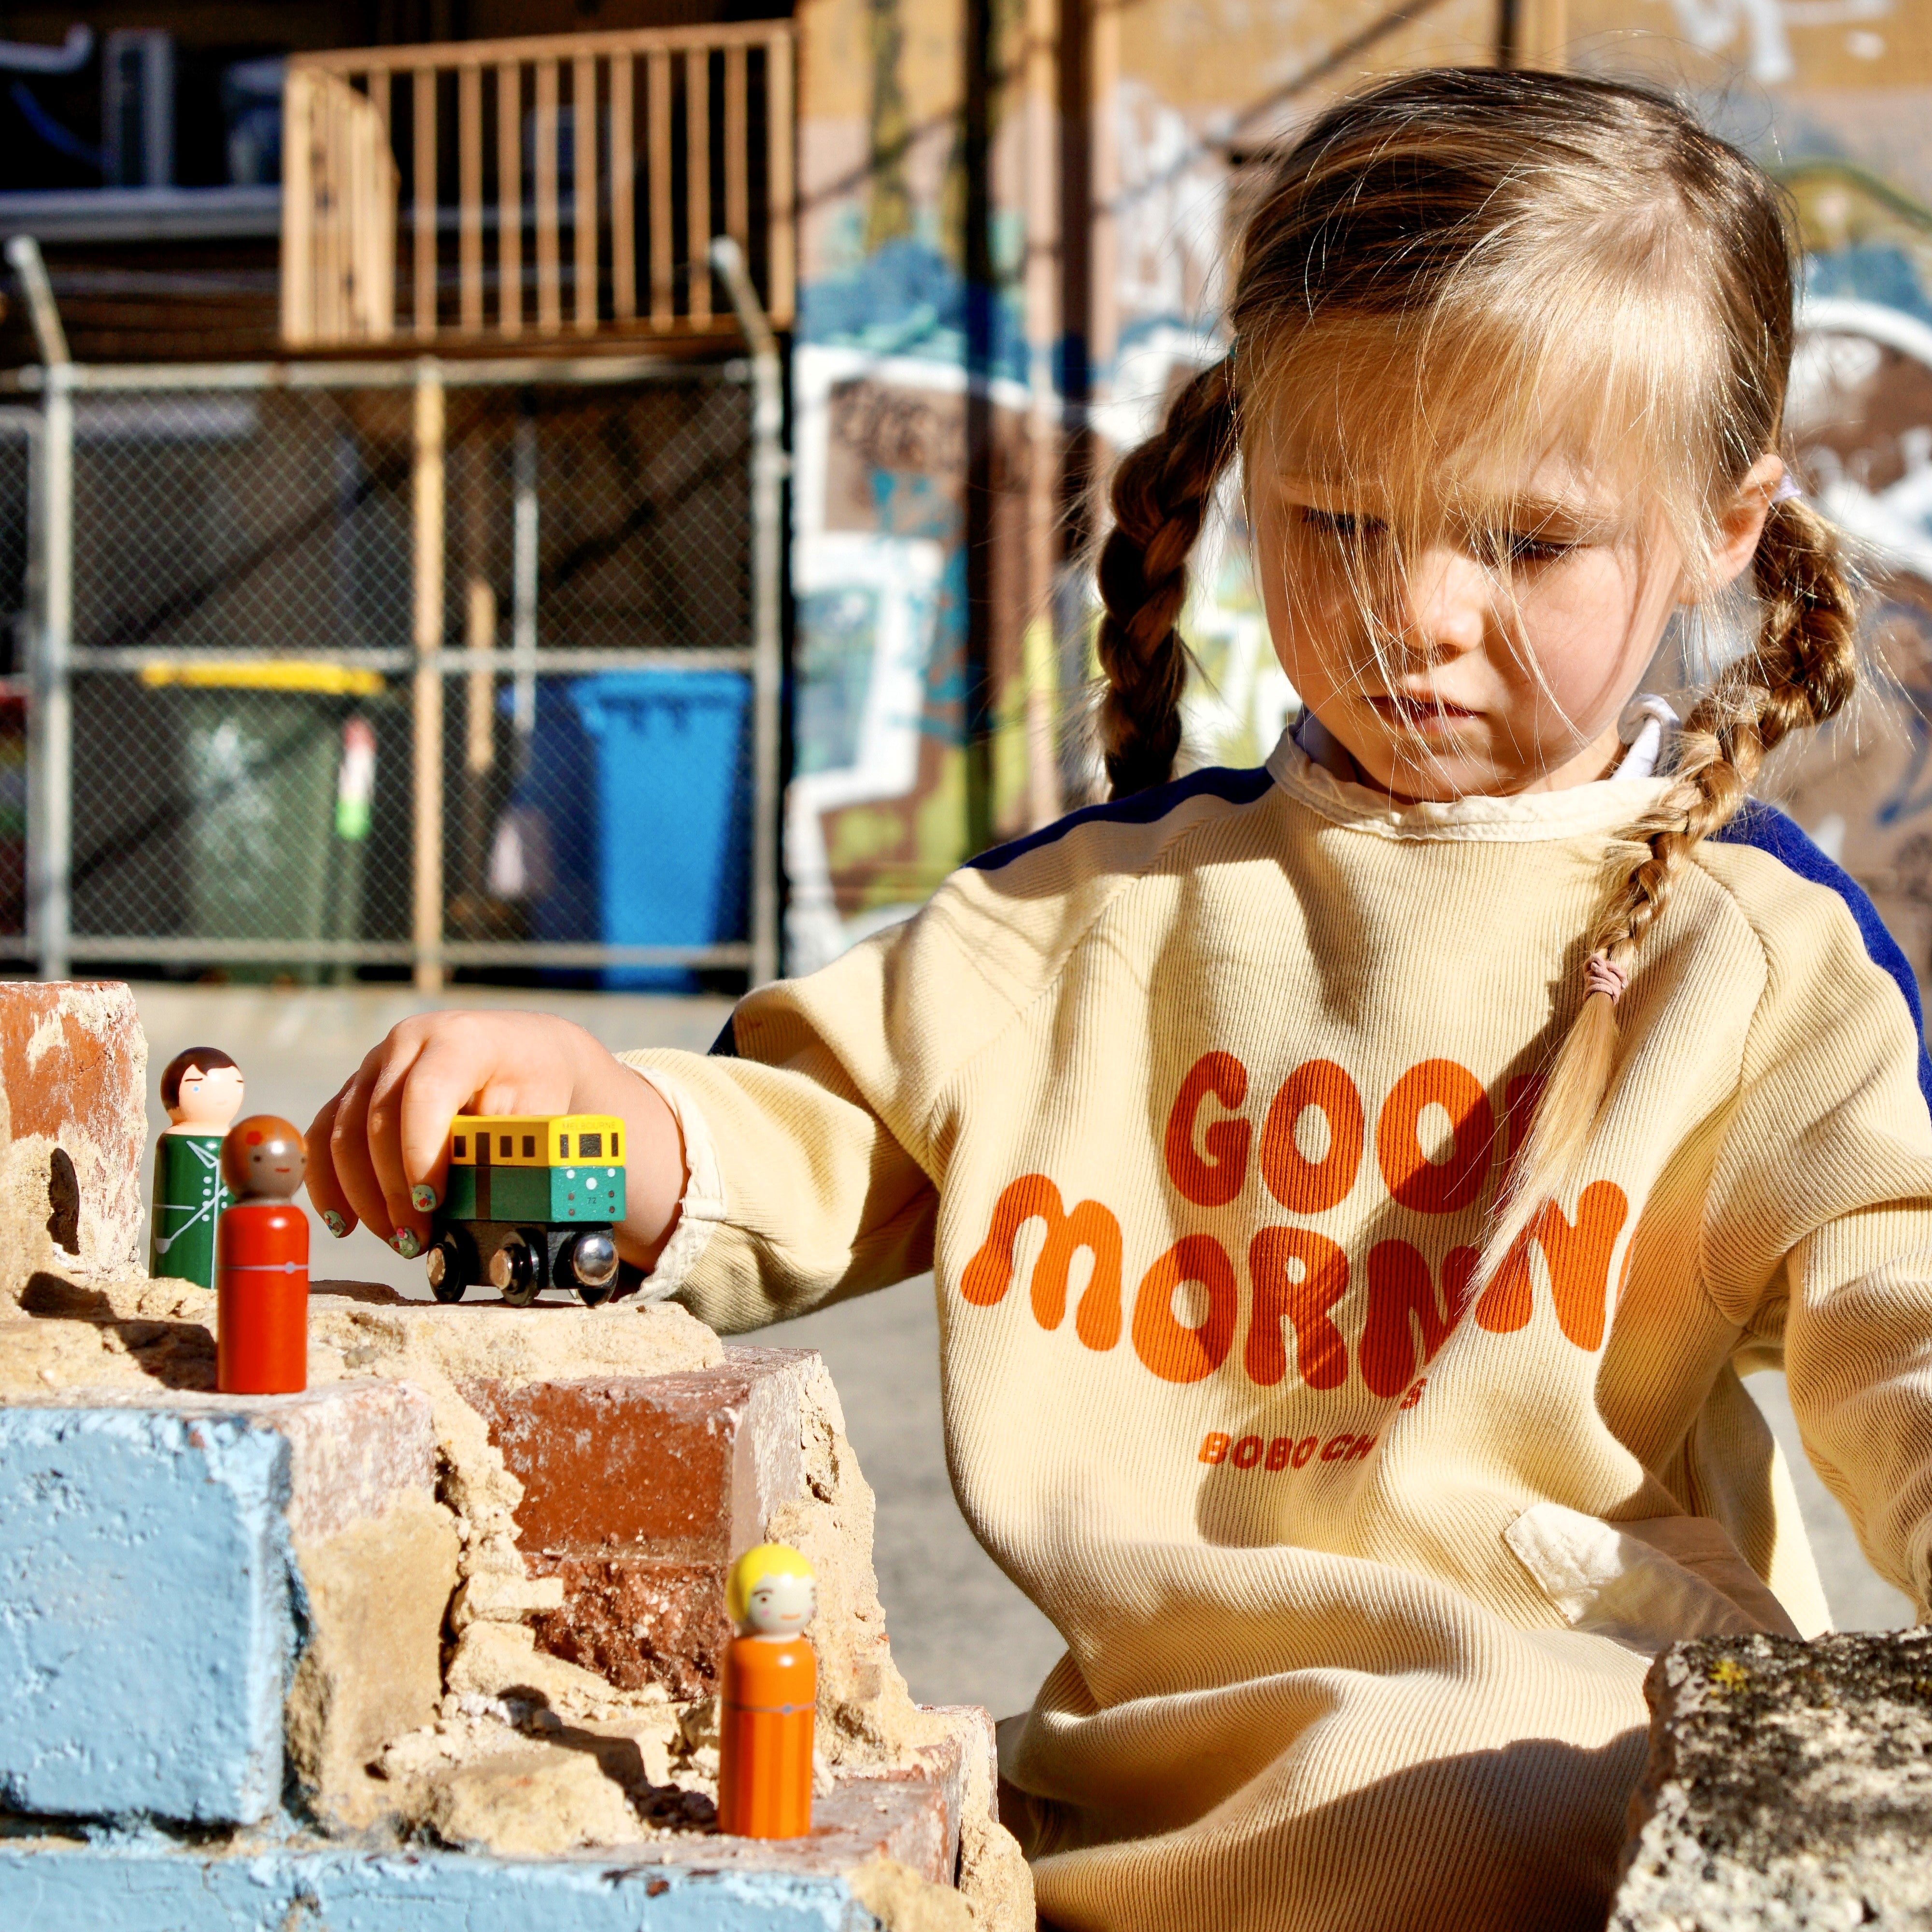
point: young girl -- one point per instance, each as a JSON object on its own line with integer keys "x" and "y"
{"x": 1363, "y": 1445}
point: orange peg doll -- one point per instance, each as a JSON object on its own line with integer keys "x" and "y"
{"x": 771, "y": 1690}
{"x": 261, "y": 1262}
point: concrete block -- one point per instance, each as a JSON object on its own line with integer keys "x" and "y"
{"x": 178, "y": 1576}
{"x": 638, "y": 1491}
{"x": 1789, "y": 1784}
{"x": 73, "y": 1131}
{"x": 150, "y": 1886}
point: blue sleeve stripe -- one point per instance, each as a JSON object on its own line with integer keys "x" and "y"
{"x": 1766, "y": 829}
{"x": 1237, "y": 787}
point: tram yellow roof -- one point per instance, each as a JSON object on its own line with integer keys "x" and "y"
{"x": 536, "y": 1140}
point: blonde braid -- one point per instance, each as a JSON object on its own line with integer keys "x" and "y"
{"x": 1801, "y": 672}
{"x": 1160, "y": 495}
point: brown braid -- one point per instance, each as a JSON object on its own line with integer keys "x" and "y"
{"x": 1802, "y": 672}
{"x": 1161, "y": 494}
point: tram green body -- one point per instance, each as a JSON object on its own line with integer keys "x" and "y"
{"x": 577, "y": 1195}
{"x": 523, "y": 1209}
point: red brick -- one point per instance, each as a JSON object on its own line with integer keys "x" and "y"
{"x": 74, "y": 1065}
{"x": 638, "y": 1493}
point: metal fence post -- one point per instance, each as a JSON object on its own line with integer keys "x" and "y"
{"x": 768, "y": 474}
{"x": 427, "y": 567}
{"x": 524, "y": 573}
{"x": 50, "y": 768}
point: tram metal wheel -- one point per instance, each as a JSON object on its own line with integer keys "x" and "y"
{"x": 589, "y": 1262}
{"x": 451, "y": 1265}
{"x": 515, "y": 1272}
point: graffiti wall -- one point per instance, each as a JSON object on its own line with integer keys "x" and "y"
{"x": 954, "y": 330}
{"x": 946, "y": 324}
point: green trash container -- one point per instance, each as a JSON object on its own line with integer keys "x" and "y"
{"x": 278, "y": 762}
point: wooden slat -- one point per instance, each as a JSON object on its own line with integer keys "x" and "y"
{"x": 369, "y": 245}
{"x": 737, "y": 196}
{"x": 584, "y": 153}
{"x": 623, "y": 212}
{"x": 298, "y": 237}
{"x": 470, "y": 220}
{"x": 335, "y": 258}
{"x": 534, "y": 47}
{"x": 779, "y": 298}
{"x": 549, "y": 306}
{"x": 424, "y": 164}
{"x": 510, "y": 197}
{"x": 697, "y": 180}
{"x": 658, "y": 74}
{"x": 332, "y": 215}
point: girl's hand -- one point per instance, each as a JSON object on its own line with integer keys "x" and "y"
{"x": 376, "y": 1152}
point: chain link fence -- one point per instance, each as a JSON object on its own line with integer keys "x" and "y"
{"x": 332, "y": 668}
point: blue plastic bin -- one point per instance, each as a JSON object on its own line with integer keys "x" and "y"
{"x": 643, "y": 779}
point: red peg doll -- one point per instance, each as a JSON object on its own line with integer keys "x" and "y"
{"x": 770, "y": 1693}
{"x": 261, "y": 1262}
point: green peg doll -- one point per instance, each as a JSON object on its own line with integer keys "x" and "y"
{"x": 201, "y": 1090}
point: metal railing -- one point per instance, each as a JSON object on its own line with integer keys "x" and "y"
{"x": 251, "y": 583}
{"x": 571, "y": 183}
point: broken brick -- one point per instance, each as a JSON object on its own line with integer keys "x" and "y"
{"x": 638, "y": 1492}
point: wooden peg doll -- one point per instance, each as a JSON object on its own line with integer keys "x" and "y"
{"x": 262, "y": 1262}
{"x": 769, "y": 1694}
{"x": 201, "y": 1090}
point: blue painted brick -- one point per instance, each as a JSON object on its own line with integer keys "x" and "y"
{"x": 146, "y": 1613}
{"x": 144, "y": 1885}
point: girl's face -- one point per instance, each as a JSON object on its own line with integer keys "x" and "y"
{"x": 1478, "y": 653}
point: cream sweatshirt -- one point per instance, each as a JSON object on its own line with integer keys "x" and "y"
{"x": 1195, "y": 1104}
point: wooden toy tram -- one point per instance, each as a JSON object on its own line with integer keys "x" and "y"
{"x": 530, "y": 1204}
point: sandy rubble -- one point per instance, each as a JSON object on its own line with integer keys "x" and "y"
{"x": 528, "y": 1754}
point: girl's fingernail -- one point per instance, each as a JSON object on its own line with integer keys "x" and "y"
{"x": 423, "y": 1197}
{"x": 335, "y": 1223}
{"x": 406, "y": 1243}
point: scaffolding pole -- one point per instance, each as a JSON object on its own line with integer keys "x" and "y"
{"x": 768, "y": 475}
{"x": 427, "y": 494}
{"x": 50, "y": 717}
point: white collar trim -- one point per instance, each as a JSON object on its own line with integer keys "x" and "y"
{"x": 1307, "y": 770}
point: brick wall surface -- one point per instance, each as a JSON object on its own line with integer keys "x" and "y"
{"x": 74, "y": 1130}
{"x": 153, "y": 1605}
{"x": 434, "y": 1643}
{"x": 638, "y": 1492}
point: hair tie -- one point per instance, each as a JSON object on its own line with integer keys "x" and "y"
{"x": 1602, "y": 974}
{"x": 1787, "y": 490}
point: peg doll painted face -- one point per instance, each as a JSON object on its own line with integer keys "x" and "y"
{"x": 773, "y": 1592}
{"x": 201, "y": 1090}
{"x": 781, "y": 1605}
{"x": 263, "y": 1159}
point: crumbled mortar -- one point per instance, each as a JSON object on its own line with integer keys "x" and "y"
{"x": 1789, "y": 1785}
{"x": 530, "y": 1754}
